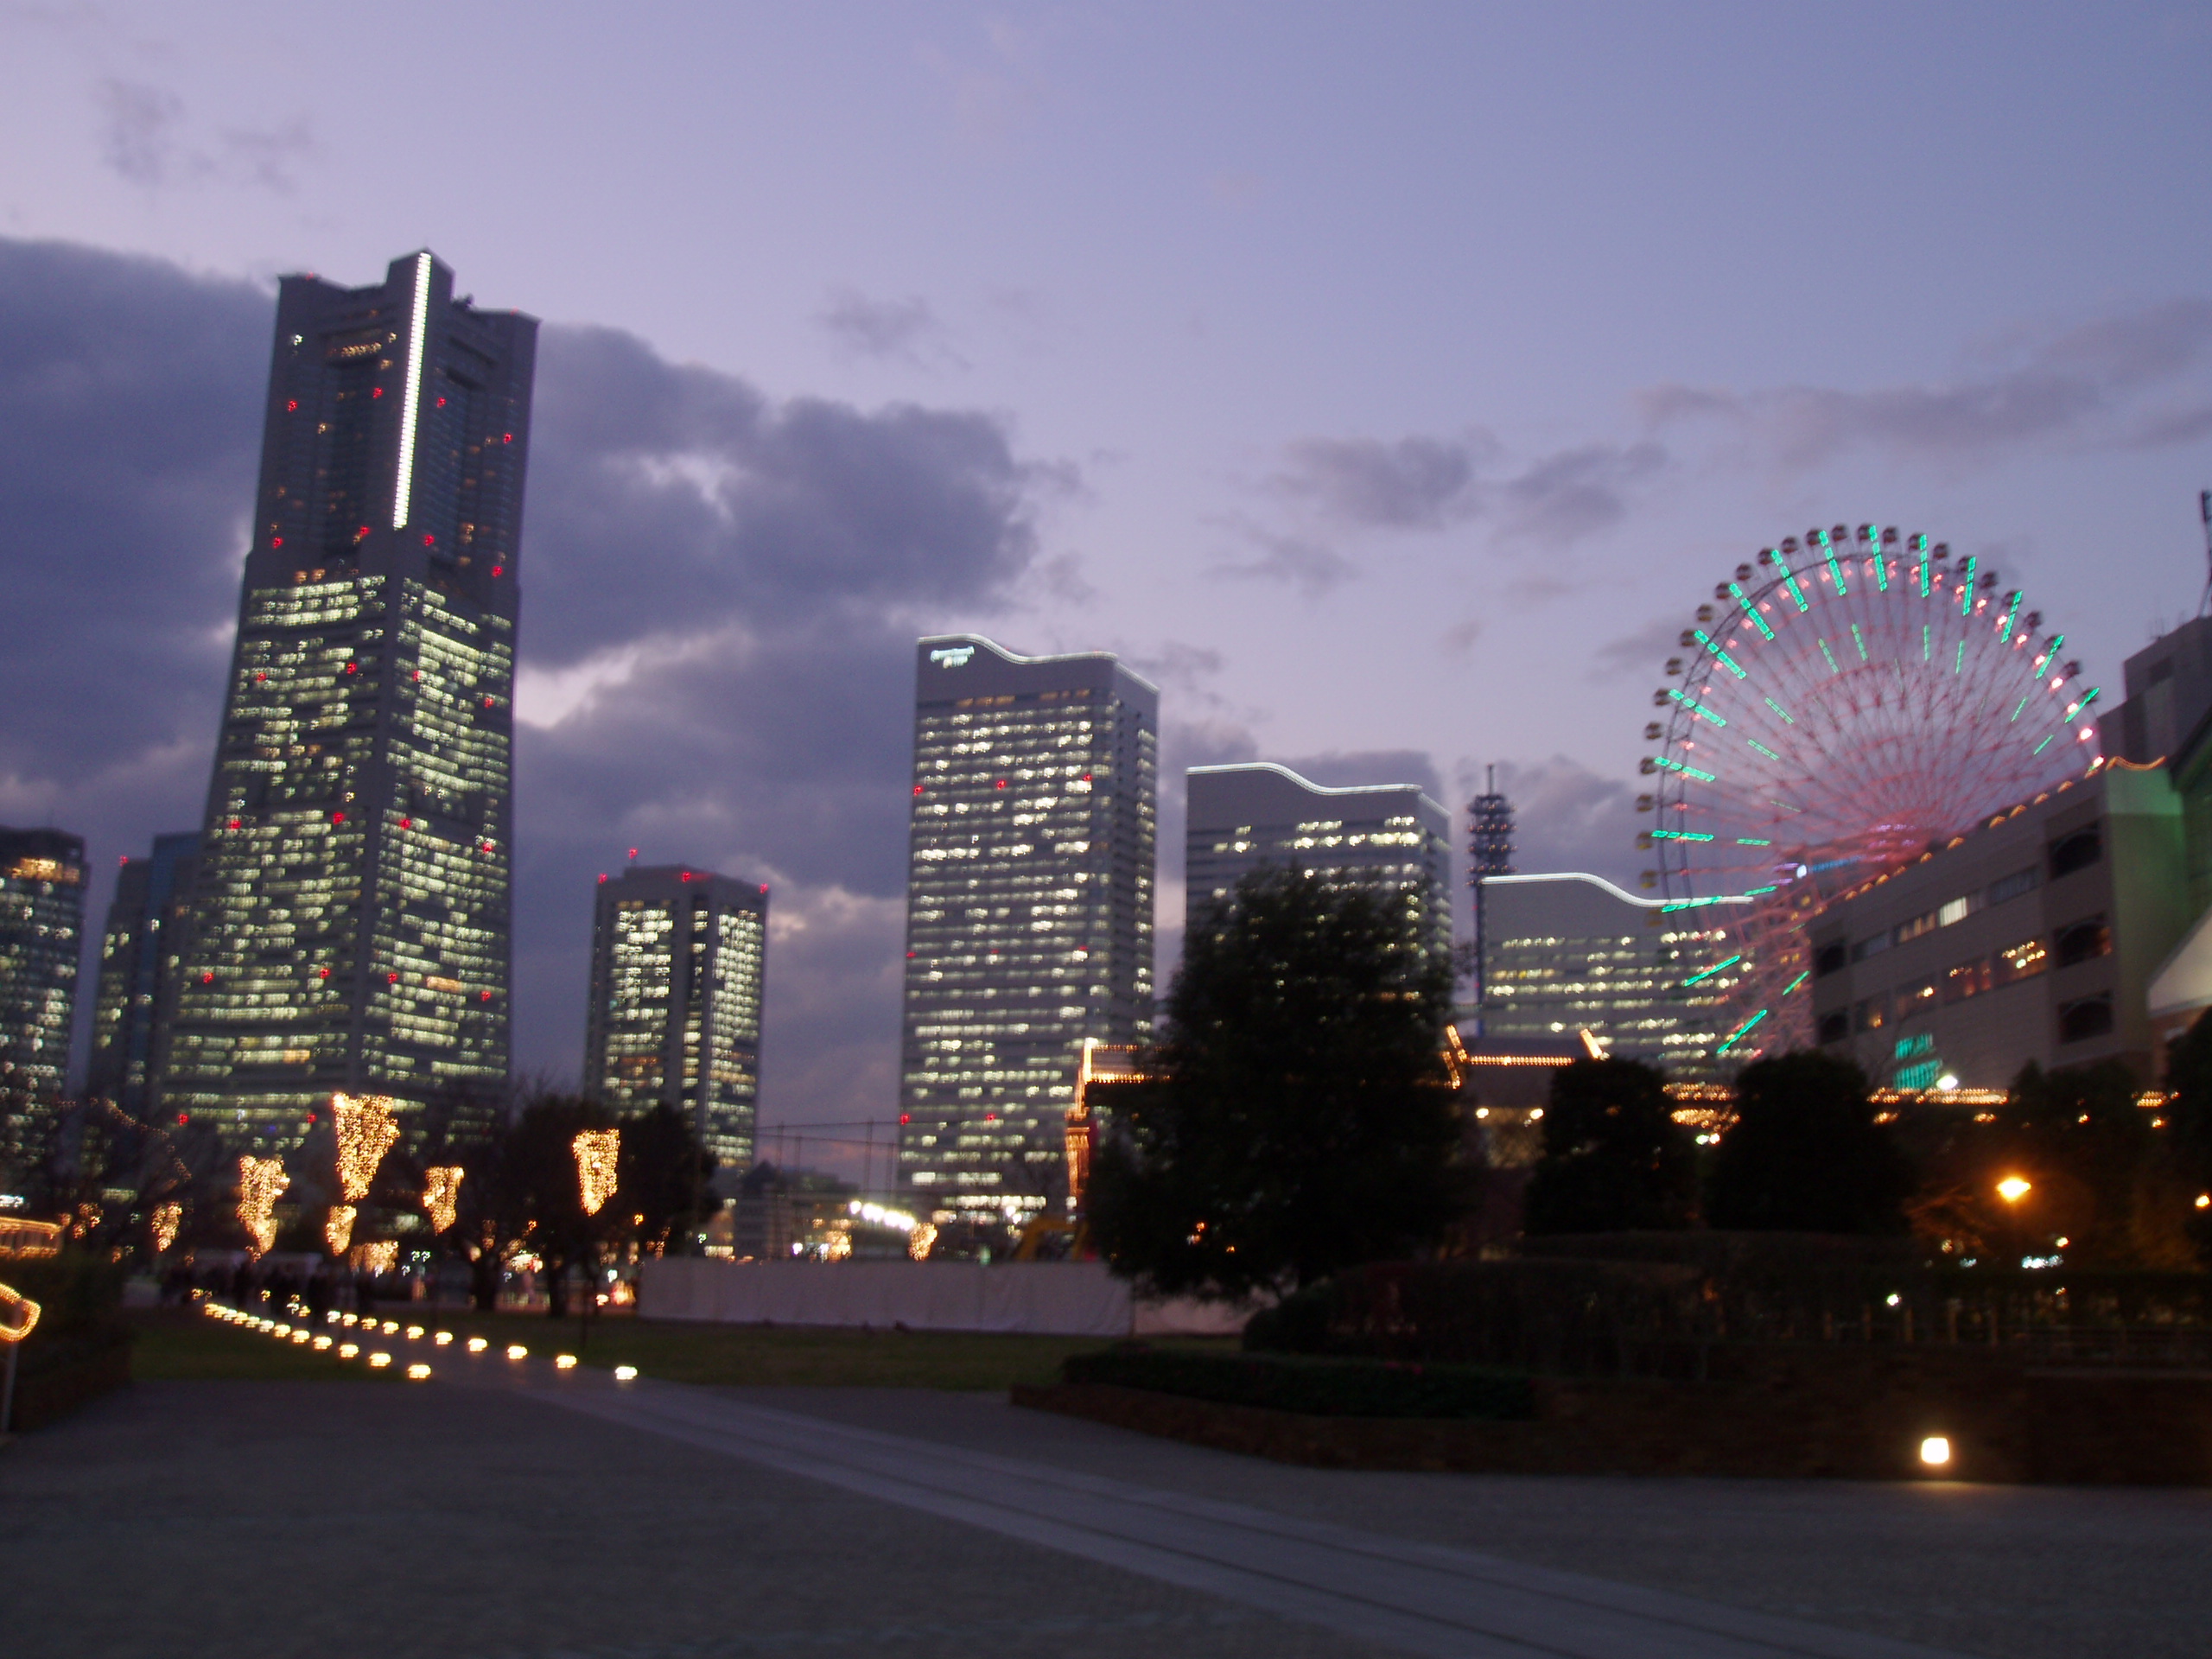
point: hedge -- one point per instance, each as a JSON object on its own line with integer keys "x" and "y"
{"x": 1316, "y": 1388}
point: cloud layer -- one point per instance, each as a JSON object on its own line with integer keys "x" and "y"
{"x": 720, "y": 593}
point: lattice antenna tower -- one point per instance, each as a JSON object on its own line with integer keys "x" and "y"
{"x": 1490, "y": 852}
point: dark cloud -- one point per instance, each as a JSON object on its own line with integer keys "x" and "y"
{"x": 720, "y": 596}
{"x": 1576, "y": 492}
{"x": 141, "y": 129}
{"x": 1408, "y": 483}
{"x": 1459, "y": 639}
{"x": 137, "y": 130}
{"x": 907, "y": 330}
{"x": 1297, "y": 560}
{"x": 1645, "y": 650}
{"x": 2077, "y": 386}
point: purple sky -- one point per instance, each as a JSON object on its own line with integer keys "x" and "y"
{"x": 1389, "y": 382}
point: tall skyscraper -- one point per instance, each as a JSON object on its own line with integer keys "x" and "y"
{"x": 677, "y": 957}
{"x": 1390, "y": 840}
{"x": 142, "y": 953}
{"x": 1029, "y": 911}
{"x": 42, "y": 927}
{"x": 350, "y": 926}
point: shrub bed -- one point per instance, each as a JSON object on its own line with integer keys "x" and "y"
{"x": 1311, "y": 1386}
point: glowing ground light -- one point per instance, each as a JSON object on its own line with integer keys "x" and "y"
{"x": 304, "y": 1336}
{"x": 2204, "y": 1200}
{"x": 378, "y": 1361}
{"x": 392, "y": 1327}
{"x": 596, "y": 1152}
{"x": 2012, "y": 1189}
{"x": 441, "y": 1194}
{"x": 444, "y": 1338}
{"x": 262, "y": 1181}
{"x": 564, "y": 1361}
{"x": 322, "y": 1343}
{"x": 418, "y": 1372}
{"x": 626, "y": 1373}
{"x": 414, "y": 1333}
{"x": 515, "y": 1350}
{"x": 348, "y": 1350}
{"x": 477, "y": 1345}
{"x": 1935, "y": 1452}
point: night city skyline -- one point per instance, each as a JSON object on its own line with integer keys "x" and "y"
{"x": 1388, "y": 536}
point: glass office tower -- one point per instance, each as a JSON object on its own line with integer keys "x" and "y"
{"x": 677, "y": 958}
{"x": 142, "y": 951}
{"x": 1029, "y": 911}
{"x": 42, "y": 926}
{"x": 350, "y": 925}
{"x": 1390, "y": 840}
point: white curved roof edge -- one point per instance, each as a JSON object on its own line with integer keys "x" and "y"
{"x": 1015, "y": 657}
{"x": 1308, "y": 784}
{"x": 1600, "y": 881}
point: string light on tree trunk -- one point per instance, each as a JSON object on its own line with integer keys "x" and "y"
{"x": 167, "y": 1218}
{"x": 441, "y": 1194}
{"x": 596, "y": 1151}
{"x": 338, "y": 1228}
{"x": 262, "y": 1181}
{"x": 365, "y": 1133}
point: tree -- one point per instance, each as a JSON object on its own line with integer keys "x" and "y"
{"x": 538, "y": 1181}
{"x": 1805, "y": 1155}
{"x": 1299, "y": 1120}
{"x": 1614, "y": 1158}
{"x": 663, "y": 1172}
{"x": 2189, "y": 1126}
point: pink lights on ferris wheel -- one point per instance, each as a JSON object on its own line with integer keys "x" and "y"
{"x": 1843, "y": 703}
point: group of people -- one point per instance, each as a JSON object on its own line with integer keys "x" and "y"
{"x": 248, "y": 1283}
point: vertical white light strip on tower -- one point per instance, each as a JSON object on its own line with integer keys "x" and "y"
{"x": 403, "y": 495}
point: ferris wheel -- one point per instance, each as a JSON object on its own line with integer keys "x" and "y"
{"x": 1840, "y": 706}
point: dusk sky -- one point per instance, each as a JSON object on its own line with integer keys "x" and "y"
{"x": 1389, "y": 383}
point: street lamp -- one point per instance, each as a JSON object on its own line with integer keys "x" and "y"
{"x": 2013, "y": 1188}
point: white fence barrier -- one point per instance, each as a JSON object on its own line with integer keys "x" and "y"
{"x": 1070, "y": 1299}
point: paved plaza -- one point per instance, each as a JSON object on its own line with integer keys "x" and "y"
{"x": 506, "y": 1512}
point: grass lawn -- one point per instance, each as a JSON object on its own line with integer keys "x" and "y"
{"x": 790, "y": 1356}
{"x": 174, "y": 1345}
{"x": 177, "y": 1346}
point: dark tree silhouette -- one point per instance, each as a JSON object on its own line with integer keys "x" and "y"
{"x": 1805, "y": 1155}
{"x": 2188, "y": 1120}
{"x": 665, "y": 1174}
{"x": 1614, "y": 1158}
{"x": 1299, "y": 1120}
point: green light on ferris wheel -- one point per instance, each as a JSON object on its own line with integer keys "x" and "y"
{"x": 2006, "y": 633}
{"x": 1795, "y": 983}
{"x": 1779, "y": 709}
{"x": 1835, "y": 569}
{"x": 1706, "y": 641}
{"x": 1717, "y": 967}
{"x": 2045, "y": 744}
{"x": 1738, "y": 1035}
{"x": 1750, "y": 610}
{"x": 1966, "y": 588}
{"x": 1859, "y": 640}
{"x": 1762, "y": 749}
{"x": 2020, "y": 705}
{"x": 1830, "y": 655}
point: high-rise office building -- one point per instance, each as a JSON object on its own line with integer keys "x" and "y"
{"x": 677, "y": 957}
{"x": 1388, "y": 839}
{"x": 351, "y": 922}
{"x": 1029, "y": 911}
{"x": 1569, "y": 953}
{"x": 142, "y": 952}
{"x": 42, "y": 929}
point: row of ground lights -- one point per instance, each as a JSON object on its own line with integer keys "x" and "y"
{"x": 417, "y": 1372}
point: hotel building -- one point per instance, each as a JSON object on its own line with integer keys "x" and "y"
{"x": 1390, "y": 840}
{"x": 1569, "y": 953}
{"x": 42, "y": 927}
{"x": 142, "y": 953}
{"x": 1029, "y": 911}
{"x": 677, "y": 959}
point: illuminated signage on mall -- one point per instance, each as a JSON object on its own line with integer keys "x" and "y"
{"x": 952, "y": 656}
